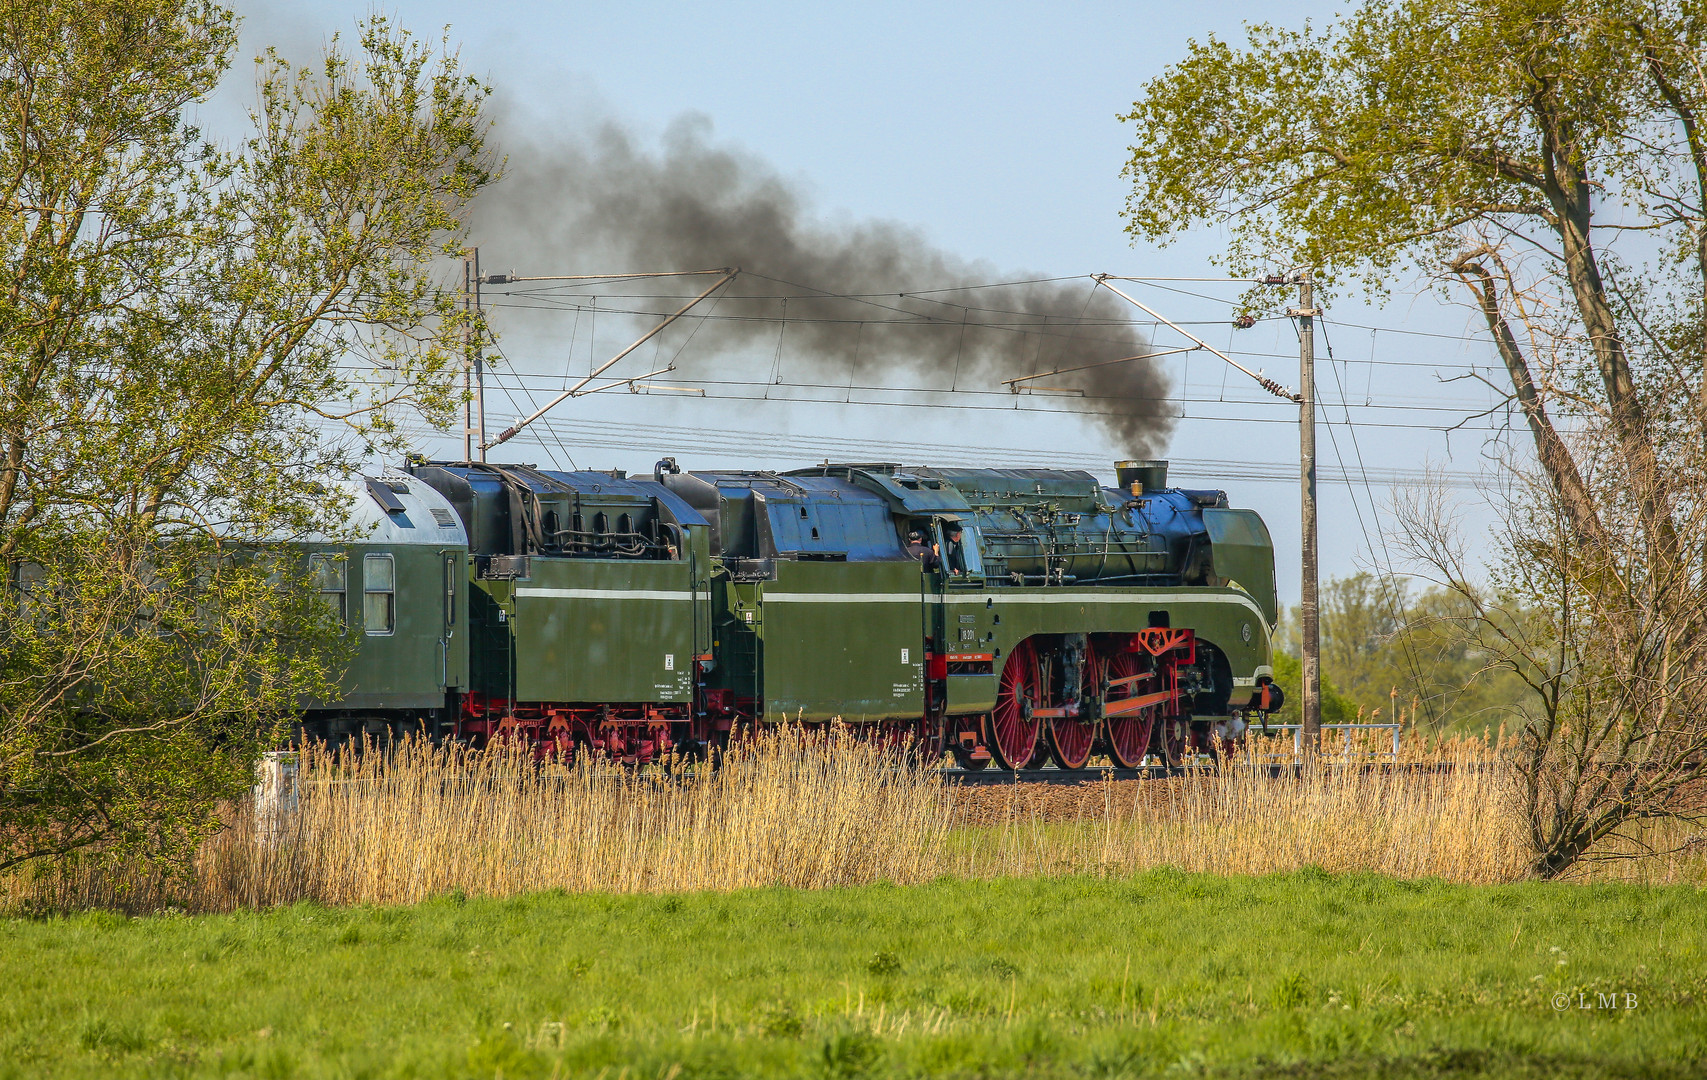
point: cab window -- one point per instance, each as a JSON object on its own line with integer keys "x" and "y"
{"x": 958, "y": 543}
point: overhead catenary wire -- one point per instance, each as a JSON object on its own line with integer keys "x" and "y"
{"x": 1021, "y": 316}
{"x": 840, "y": 394}
{"x": 882, "y": 395}
{"x": 1388, "y": 589}
{"x": 739, "y": 448}
{"x": 1019, "y": 327}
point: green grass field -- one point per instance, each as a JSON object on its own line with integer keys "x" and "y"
{"x": 1296, "y": 975}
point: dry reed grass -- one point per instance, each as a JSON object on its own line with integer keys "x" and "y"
{"x": 1450, "y": 819}
{"x": 820, "y": 810}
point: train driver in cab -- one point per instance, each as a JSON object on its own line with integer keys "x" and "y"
{"x": 955, "y": 556}
{"x": 918, "y": 549}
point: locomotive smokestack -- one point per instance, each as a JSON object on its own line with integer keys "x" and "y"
{"x": 605, "y": 204}
{"x": 1139, "y": 477}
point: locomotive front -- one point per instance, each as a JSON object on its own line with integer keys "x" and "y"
{"x": 1065, "y": 619}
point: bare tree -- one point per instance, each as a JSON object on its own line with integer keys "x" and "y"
{"x": 1608, "y": 642}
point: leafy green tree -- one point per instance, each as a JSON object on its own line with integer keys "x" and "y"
{"x": 1408, "y": 653}
{"x": 192, "y": 338}
{"x": 1544, "y": 163}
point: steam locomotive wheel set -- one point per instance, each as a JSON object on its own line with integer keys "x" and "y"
{"x": 1005, "y": 616}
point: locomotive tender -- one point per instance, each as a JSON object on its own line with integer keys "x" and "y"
{"x": 1001, "y": 615}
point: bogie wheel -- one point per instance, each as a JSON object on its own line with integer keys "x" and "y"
{"x": 1013, "y": 731}
{"x": 1128, "y": 735}
{"x": 1173, "y": 736}
{"x": 1071, "y": 738}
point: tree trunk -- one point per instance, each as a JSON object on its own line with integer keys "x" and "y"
{"x": 1556, "y": 459}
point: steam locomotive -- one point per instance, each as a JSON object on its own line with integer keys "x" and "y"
{"x": 1003, "y": 616}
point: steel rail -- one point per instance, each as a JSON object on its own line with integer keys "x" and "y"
{"x": 1273, "y": 770}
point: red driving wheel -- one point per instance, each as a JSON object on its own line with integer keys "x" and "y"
{"x": 1129, "y": 735}
{"x": 1020, "y": 691}
{"x": 1071, "y": 738}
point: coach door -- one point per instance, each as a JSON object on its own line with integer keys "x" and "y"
{"x": 453, "y": 653}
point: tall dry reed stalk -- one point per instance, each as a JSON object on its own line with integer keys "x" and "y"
{"x": 817, "y": 810}
{"x": 1449, "y": 817}
{"x": 788, "y": 809}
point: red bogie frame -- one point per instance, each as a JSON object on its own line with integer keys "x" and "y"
{"x": 628, "y": 732}
{"x": 1171, "y": 651}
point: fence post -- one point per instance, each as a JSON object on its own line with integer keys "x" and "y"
{"x": 275, "y": 793}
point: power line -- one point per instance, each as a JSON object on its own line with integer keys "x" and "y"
{"x": 742, "y": 445}
{"x": 530, "y": 381}
{"x": 1032, "y": 404}
{"x": 1024, "y": 323}
{"x": 1388, "y": 588}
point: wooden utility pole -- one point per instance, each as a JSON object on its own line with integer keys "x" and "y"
{"x": 473, "y": 362}
{"x": 467, "y": 358}
{"x": 1309, "y": 621}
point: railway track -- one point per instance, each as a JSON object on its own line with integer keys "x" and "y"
{"x": 986, "y": 777}
{"x": 1051, "y": 775}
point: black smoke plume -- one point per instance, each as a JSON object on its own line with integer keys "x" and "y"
{"x": 605, "y": 204}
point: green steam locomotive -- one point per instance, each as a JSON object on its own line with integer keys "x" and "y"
{"x": 1004, "y": 616}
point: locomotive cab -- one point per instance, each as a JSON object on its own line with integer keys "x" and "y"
{"x": 949, "y": 545}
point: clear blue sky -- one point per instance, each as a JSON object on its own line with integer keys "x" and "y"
{"x": 991, "y": 128}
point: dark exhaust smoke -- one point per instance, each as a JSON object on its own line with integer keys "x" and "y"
{"x": 607, "y": 205}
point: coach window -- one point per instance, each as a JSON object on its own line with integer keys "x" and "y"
{"x": 327, "y": 572}
{"x": 379, "y": 594}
